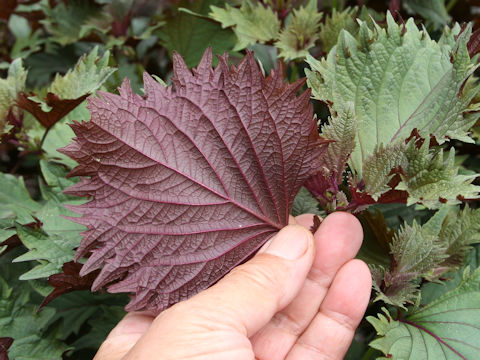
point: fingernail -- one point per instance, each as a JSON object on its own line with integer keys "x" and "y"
{"x": 290, "y": 243}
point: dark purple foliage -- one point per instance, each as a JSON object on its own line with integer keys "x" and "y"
{"x": 190, "y": 180}
{"x": 5, "y": 343}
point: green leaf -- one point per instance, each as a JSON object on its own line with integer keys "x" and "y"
{"x": 432, "y": 180}
{"x": 341, "y": 129}
{"x": 16, "y": 205}
{"x": 21, "y": 320}
{"x": 88, "y": 75}
{"x": 305, "y": 203}
{"x": 76, "y": 308}
{"x": 53, "y": 246}
{"x": 9, "y": 89}
{"x": 433, "y": 290}
{"x": 378, "y": 166}
{"x": 447, "y": 328}
{"x": 59, "y": 135}
{"x": 434, "y": 11}
{"x": 334, "y": 24}
{"x": 300, "y": 33}
{"x": 190, "y": 35}
{"x": 266, "y": 55}
{"x": 399, "y": 80}
{"x": 69, "y": 22}
{"x": 377, "y": 237}
{"x": 459, "y": 230}
{"x": 251, "y": 23}
{"x": 100, "y": 327}
{"x": 415, "y": 252}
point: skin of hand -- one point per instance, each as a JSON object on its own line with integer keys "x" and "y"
{"x": 300, "y": 298}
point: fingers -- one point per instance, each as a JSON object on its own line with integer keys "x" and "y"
{"x": 337, "y": 241}
{"x": 124, "y": 336}
{"x": 252, "y": 293}
{"x": 330, "y": 333}
{"x": 219, "y": 320}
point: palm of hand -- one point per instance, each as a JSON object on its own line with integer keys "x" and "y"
{"x": 254, "y": 313}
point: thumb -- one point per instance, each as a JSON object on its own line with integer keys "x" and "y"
{"x": 250, "y": 295}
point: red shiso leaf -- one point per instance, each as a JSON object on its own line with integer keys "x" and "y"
{"x": 190, "y": 180}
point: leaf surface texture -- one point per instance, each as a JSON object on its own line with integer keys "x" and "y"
{"x": 190, "y": 180}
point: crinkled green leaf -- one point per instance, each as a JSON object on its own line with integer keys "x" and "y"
{"x": 460, "y": 229}
{"x": 300, "y": 33}
{"x": 252, "y": 22}
{"x": 190, "y": 35}
{"x": 378, "y": 166}
{"x": 341, "y": 129}
{"x": 9, "y": 89}
{"x": 450, "y": 280}
{"x": 447, "y": 328}
{"x": 415, "y": 252}
{"x": 334, "y": 24}
{"x": 56, "y": 182}
{"x": 432, "y": 180}
{"x": 399, "y": 80}
{"x": 434, "y": 11}
{"x": 88, "y": 75}
{"x": 394, "y": 289}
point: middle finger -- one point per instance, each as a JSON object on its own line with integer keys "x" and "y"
{"x": 337, "y": 241}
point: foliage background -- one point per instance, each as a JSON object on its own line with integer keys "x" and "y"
{"x": 56, "y": 53}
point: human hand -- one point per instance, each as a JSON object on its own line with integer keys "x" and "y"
{"x": 288, "y": 302}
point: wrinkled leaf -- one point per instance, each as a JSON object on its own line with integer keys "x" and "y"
{"x": 301, "y": 32}
{"x": 432, "y": 180}
{"x": 399, "y": 80}
{"x": 252, "y": 22}
{"x": 189, "y": 182}
{"x": 9, "y": 89}
{"x": 447, "y": 328}
{"x": 334, "y": 24}
{"x": 415, "y": 252}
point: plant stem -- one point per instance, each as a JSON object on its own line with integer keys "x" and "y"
{"x": 450, "y": 5}
{"x": 44, "y": 137}
{"x": 368, "y": 354}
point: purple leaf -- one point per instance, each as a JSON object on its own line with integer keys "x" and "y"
{"x": 5, "y": 343}
{"x": 191, "y": 180}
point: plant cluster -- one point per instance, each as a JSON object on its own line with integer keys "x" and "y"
{"x": 138, "y": 168}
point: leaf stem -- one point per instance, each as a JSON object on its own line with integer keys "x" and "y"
{"x": 368, "y": 354}
{"x": 450, "y": 5}
{"x": 44, "y": 137}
